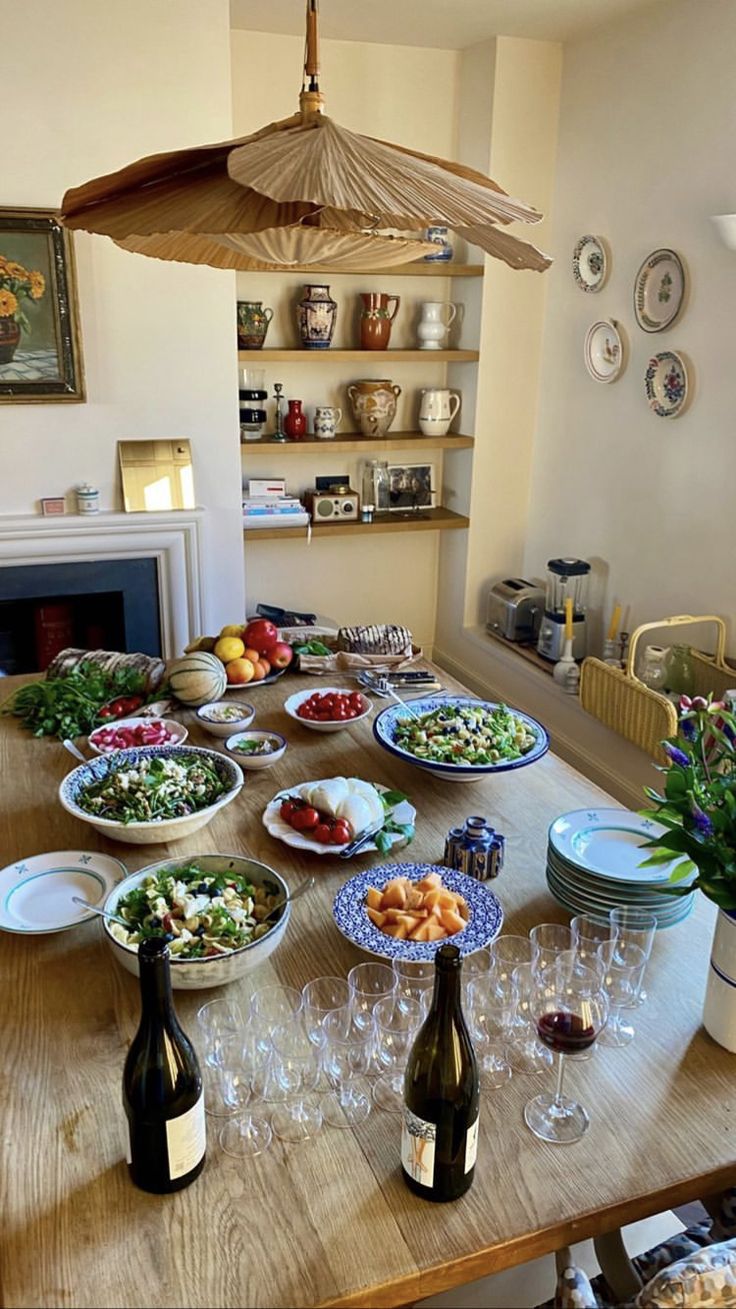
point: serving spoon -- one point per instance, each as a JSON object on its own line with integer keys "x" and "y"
{"x": 73, "y": 749}
{"x": 384, "y": 687}
{"x": 289, "y": 899}
{"x": 103, "y": 913}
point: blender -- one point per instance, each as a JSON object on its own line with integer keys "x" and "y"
{"x": 565, "y": 577}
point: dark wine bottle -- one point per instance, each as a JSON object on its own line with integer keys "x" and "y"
{"x": 162, "y": 1086}
{"x": 439, "y": 1132}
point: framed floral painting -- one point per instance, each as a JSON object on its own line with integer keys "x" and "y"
{"x": 40, "y": 344}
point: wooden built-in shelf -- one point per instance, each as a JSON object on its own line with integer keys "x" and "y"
{"x": 439, "y": 269}
{"x": 355, "y": 441}
{"x": 425, "y": 520}
{"x": 359, "y": 356}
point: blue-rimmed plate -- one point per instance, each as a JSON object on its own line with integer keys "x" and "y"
{"x": 386, "y": 723}
{"x": 608, "y": 843}
{"x": 36, "y": 893}
{"x": 349, "y": 913}
{"x": 576, "y": 903}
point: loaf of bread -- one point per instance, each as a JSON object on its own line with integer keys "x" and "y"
{"x": 377, "y": 639}
{"x": 150, "y": 668}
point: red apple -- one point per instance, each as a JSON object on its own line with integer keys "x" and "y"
{"x": 261, "y": 635}
{"x": 280, "y": 655}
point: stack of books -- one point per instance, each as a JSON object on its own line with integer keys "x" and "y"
{"x": 273, "y": 511}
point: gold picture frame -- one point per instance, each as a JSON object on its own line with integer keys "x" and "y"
{"x": 40, "y": 339}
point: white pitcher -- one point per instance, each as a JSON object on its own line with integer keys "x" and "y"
{"x": 437, "y": 409}
{"x": 432, "y": 329}
{"x": 326, "y": 419}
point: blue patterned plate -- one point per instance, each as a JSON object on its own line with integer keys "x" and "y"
{"x": 349, "y": 912}
{"x": 386, "y": 723}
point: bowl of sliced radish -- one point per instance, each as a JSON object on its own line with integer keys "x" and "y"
{"x": 130, "y": 732}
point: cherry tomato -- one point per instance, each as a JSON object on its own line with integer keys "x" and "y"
{"x": 287, "y": 810}
{"x": 322, "y": 833}
{"x": 340, "y": 833}
{"x": 305, "y": 819}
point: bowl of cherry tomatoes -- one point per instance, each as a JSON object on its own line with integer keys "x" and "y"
{"x": 329, "y": 709}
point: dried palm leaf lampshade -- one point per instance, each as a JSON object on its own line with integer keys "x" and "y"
{"x": 302, "y": 191}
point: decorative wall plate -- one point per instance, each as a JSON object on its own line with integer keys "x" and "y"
{"x": 604, "y": 351}
{"x": 666, "y": 384}
{"x": 590, "y": 263}
{"x": 659, "y": 290}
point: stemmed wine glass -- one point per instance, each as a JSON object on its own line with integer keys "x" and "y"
{"x": 623, "y": 964}
{"x": 570, "y": 1008}
{"x": 491, "y": 1006}
{"x": 638, "y": 926}
{"x": 296, "y": 1064}
{"x": 398, "y": 1019}
{"x": 232, "y": 1052}
{"x": 346, "y": 1058}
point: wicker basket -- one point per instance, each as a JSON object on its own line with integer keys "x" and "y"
{"x": 618, "y": 698}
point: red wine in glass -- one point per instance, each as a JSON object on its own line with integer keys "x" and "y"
{"x": 565, "y": 1033}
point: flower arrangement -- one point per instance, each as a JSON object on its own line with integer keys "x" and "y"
{"x": 698, "y": 807}
{"x": 18, "y": 284}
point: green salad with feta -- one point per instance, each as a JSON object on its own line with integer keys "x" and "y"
{"x": 466, "y": 734}
{"x": 154, "y": 789}
{"x": 200, "y": 914}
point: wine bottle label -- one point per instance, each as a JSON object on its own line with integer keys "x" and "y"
{"x": 418, "y": 1138}
{"x": 185, "y": 1140}
{"x": 471, "y": 1145}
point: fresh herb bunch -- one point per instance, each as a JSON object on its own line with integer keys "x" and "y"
{"x": 389, "y": 800}
{"x": 698, "y": 807}
{"x": 69, "y": 706}
{"x": 313, "y": 647}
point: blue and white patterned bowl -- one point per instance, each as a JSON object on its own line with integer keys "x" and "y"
{"x": 386, "y": 723}
{"x": 349, "y": 913}
{"x": 172, "y": 829}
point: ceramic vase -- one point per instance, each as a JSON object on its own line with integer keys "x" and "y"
{"x": 432, "y": 329}
{"x": 719, "y": 1011}
{"x": 253, "y": 321}
{"x": 295, "y": 421}
{"x": 439, "y": 236}
{"x": 317, "y": 315}
{"x": 376, "y": 319}
{"x": 374, "y": 405}
{"x": 9, "y": 339}
{"x": 326, "y": 419}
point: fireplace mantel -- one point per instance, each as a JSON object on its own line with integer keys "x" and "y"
{"x": 173, "y": 539}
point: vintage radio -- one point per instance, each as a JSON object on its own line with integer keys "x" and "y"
{"x": 338, "y": 504}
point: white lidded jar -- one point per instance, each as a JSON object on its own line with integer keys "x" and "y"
{"x": 88, "y": 499}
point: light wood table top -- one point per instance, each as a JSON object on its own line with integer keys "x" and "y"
{"x": 329, "y": 1222}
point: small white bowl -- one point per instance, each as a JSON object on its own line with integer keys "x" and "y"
{"x": 256, "y": 760}
{"x": 299, "y": 697}
{"x": 247, "y": 714}
{"x": 178, "y": 732}
{"x": 215, "y": 970}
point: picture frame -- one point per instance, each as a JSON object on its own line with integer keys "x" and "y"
{"x": 410, "y": 487}
{"x": 40, "y": 340}
{"x": 53, "y": 505}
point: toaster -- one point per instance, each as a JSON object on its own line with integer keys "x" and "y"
{"x": 515, "y": 609}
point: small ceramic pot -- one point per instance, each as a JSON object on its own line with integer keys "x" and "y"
{"x": 376, "y": 319}
{"x": 295, "y": 422}
{"x": 374, "y": 405}
{"x": 439, "y": 236}
{"x": 432, "y": 329}
{"x": 317, "y": 315}
{"x": 326, "y": 419}
{"x": 253, "y": 321}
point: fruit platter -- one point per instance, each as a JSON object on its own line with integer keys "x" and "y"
{"x": 244, "y": 654}
{"x": 323, "y": 817}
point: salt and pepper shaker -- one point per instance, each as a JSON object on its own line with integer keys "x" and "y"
{"x": 475, "y": 849}
{"x": 88, "y": 499}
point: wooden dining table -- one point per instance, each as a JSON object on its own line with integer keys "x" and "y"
{"x": 330, "y": 1221}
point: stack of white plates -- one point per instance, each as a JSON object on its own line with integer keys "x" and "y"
{"x": 593, "y": 864}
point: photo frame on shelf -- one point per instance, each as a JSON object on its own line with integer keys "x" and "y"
{"x": 410, "y": 486}
{"x": 40, "y": 341}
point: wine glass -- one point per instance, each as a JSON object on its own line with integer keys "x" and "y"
{"x": 526, "y": 1052}
{"x": 271, "y": 1007}
{"x": 247, "y": 1134}
{"x": 414, "y": 978}
{"x": 369, "y": 983}
{"x": 296, "y": 1064}
{"x": 476, "y": 968}
{"x": 491, "y": 1005}
{"x": 347, "y": 1055}
{"x": 589, "y": 931}
{"x": 549, "y": 940}
{"x": 397, "y": 1018}
{"x": 624, "y": 964}
{"x": 323, "y": 996}
{"x": 570, "y": 1009}
{"x": 639, "y": 927}
{"x": 222, "y": 1031}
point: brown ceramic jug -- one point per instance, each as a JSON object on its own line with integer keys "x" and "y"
{"x": 376, "y": 319}
{"x": 374, "y": 405}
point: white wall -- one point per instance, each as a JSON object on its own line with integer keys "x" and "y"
{"x": 401, "y": 94}
{"x": 94, "y": 91}
{"x": 647, "y": 152}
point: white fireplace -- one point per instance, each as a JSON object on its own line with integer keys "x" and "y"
{"x": 172, "y": 539}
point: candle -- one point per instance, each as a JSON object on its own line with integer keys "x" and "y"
{"x": 568, "y": 618}
{"x": 613, "y": 625}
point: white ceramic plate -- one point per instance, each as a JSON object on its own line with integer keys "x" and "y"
{"x": 576, "y": 903}
{"x": 608, "y": 842}
{"x": 604, "y": 351}
{"x": 646, "y": 895}
{"x": 275, "y": 825}
{"x": 666, "y": 384}
{"x": 36, "y": 893}
{"x": 590, "y": 263}
{"x": 246, "y": 687}
{"x": 659, "y": 290}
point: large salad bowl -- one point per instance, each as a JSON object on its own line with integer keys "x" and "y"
{"x": 389, "y": 729}
{"x": 76, "y": 783}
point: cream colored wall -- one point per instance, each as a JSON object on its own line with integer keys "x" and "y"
{"x": 647, "y": 153}
{"x": 407, "y": 95}
{"x": 88, "y": 96}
